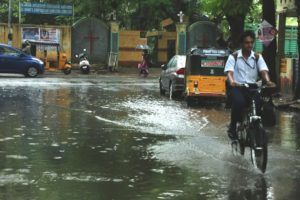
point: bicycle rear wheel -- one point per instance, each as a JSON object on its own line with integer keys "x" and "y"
{"x": 241, "y": 131}
{"x": 259, "y": 148}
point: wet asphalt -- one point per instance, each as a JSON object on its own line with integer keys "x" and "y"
{"x": 114, "y": 137}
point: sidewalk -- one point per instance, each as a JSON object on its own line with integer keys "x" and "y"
{"x": 287, "y": 103}
{"x": 121, "y": 71}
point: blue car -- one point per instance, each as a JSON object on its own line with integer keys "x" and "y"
{"x": 13, "y": 60}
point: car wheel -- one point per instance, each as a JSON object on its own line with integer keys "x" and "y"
{"x": 162, "y": 91}
{"x": 32, "y": 72}
{"x": 85, "y": 71}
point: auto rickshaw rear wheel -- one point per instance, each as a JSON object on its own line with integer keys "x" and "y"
{"x": 190, "y": 101}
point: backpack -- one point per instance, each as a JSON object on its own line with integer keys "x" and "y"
{"x": 235, "y": 55}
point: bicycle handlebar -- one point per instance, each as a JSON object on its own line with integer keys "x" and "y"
{"x": 263, "y": 89}
{"x": 248, "y": 85}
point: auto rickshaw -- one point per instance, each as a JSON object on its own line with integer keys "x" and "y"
{"x": 204, "y": 75}
{"x": 53, "y": 56}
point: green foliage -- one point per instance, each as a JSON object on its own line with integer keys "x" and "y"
{"x": 4, "y": 11}
{"x": 217, "y": 10}
{"x": 135, "y": 14}
{"x": 255, "y": 14}
{"x": 220, "y": 8}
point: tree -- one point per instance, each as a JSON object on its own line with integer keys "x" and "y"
{"x": 132, "y": 14}
{"x": 4, "y": 11}
{"x": 297, "y": 93}
{"x": 235, "y": 12}
{"x": 150, "y": 13}
{"x": 269, "y": 14}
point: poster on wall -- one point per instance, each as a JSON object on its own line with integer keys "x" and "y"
{"x": 34, "y": 34}
{"x": 31, "y": 34}
{"x": 266, "y": 33}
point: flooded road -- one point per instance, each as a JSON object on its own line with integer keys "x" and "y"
{"x": 107, "y": 137}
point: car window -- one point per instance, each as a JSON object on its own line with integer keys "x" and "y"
{"x": 9, "y": 52}
{"x": 170, "y": 62}
{"x": 174, "y": 63}
{"x": 181, "y": 62}
{"x": 1, "y": 50}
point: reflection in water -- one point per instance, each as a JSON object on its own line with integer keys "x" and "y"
{"x": 249, "y": 187}
{"x": 286, "y": 132}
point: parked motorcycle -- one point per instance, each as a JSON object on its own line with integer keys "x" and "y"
{"x": 84, "y": 63}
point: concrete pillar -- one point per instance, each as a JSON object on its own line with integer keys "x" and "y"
{"x": 281, "y": 44}
{"x": 114, "y": 37}
{"x": 114, "y": 45}
{"x": 181, "y": 29}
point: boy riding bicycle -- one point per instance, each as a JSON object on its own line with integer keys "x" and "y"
{"x": 244, "y": 67}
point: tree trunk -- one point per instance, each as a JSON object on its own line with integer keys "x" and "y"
{"x": 297, "y": 92}
{"x": 236, "y": 24}
{"x": 269, "y": 14}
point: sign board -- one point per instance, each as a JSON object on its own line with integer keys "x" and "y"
{"x": 46, "y": 8}
{"x": 35, "y": 34}
{"x": 266, "y": 33}
{"x": 213, "y": 63}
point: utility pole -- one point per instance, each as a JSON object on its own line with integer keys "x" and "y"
{"x": 269, "y": 53}
{"x": 297, "y": 92}
{"x": 10, "y": 31}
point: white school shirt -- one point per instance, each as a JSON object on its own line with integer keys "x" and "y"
{"x": 245, "y": 71}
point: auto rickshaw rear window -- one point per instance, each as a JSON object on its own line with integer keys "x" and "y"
{"x": 212, "y": 62}
{"x": 207, "y": 65}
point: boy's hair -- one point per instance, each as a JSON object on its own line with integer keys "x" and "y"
{"x": 247, "y": 34}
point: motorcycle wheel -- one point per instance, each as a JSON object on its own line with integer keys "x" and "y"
{"x": 85, "y": 71}
{"x": 67, "y": 71}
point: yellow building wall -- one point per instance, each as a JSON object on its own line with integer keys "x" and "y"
{"x": 129, "y": 55}
{"x": 65, "y": 42}
{"x": 17, "y": 34}
{"x": 162, "y": 46}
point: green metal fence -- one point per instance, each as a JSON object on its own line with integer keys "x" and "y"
{"x": 291, "y": 44}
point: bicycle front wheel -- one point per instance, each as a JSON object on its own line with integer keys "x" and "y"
{"x": 259, "y": 148}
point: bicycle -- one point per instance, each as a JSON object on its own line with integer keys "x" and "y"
{"x": 250, "y": 132}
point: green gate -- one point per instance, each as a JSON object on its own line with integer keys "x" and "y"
{"x": 291, "y": 43}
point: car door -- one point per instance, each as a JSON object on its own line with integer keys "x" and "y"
{"x": 165, "y": 78}
{"x": 12, "y": 60}
{"x": 170, "y": 71}
{"x": 3, "y": 63}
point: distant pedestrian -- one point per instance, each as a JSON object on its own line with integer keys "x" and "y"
{"x": 27, "y": 47}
